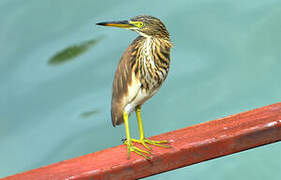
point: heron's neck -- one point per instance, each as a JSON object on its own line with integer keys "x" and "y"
{"x": 154, "y": 51}
{"x": 153, "y": 59}
{"x": 158, "y": 45}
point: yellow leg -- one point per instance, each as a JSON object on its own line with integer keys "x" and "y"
{"x": 144, "y": 141}
{"x": 128, "y": 142}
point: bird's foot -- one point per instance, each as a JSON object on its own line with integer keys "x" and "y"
{"x": 145, "y": 141}
{"x": 132, "y": 148}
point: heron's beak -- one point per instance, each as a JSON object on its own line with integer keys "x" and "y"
{"x": 120, "y": 24}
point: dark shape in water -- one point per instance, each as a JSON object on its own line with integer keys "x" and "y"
{"x": 89, "y": 113}
{"x": 72, "y": 52}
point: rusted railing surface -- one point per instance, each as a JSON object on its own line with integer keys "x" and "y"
{"x": 189, "y": 145}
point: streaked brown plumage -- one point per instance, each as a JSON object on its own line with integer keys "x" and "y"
{"x": 142, "y": 69}
{"x": 132, "y": 66}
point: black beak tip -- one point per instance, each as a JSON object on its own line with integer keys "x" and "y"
{"x": 101, "y": 24}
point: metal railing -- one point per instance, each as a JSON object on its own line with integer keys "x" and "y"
{"x": 190, "y": 145}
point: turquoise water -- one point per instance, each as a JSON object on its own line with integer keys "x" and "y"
{"x": 226, "y": 59}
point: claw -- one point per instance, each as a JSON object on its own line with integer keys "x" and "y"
{"x": 132, "y": 148}
{"x": 146, "y": 141}
{"x": 123, "y": 140}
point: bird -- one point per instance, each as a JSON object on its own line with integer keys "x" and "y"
{"x": 141, "y": 71}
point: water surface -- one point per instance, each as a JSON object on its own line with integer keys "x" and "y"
{"x": 226, "y": 60}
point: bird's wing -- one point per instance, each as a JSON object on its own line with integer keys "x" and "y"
{"x": 125, "y": 84}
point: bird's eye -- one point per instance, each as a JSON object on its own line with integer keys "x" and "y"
{"x": 140, "y": 24}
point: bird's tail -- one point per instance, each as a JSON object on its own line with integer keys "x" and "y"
{"x": 116, "y": 114}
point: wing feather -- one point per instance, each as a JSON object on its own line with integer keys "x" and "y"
{"x": 125, "y": 85}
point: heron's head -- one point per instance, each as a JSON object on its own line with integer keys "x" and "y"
{"x": 147, "y": 26}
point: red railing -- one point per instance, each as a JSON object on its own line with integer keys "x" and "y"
{"x": 189, "y": 145}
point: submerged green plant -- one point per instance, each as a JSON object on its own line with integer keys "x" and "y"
{"x": 89, "y": 113}
{"x": 73, "y": 51}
